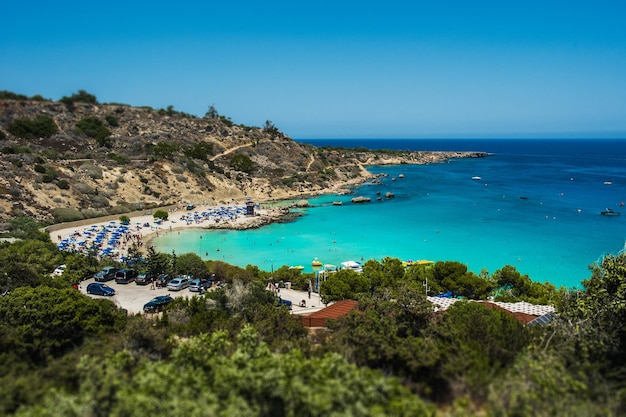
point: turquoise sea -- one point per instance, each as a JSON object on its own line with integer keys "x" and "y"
{"x": 537, "y": 207}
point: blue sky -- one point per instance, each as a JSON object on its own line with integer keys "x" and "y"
{"x": 326, "y": 69}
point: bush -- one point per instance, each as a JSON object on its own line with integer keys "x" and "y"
{"x": 62, "y": 214}
{"x": 63, "y": 184}
{"x": 47, "y": 178}
{"x": 94, "y": 128}
{"x": 91, "y": 170}
{"x": 9, "y": 95}
{"x": 111, "y": 120}
{"x": 160, "y": 214}
{"x": 165, "y": 150}
{"x": 81, "y": 97}
{"x": 40, "y": 168}
{"x": 200, "y": 150}
{"x": 83, "y": 188}
{"x": 122, "y": 160}
{"x": 241, "y": 163}
{"x": 40, "y": 127}
{"x": 50, "y": 154}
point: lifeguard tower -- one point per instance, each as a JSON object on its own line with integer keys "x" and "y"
{"x": 249, "y": 207}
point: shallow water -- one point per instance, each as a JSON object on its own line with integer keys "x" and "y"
{"x": 536, "y": 208}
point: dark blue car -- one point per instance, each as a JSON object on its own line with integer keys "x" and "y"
{"x": 283, "y": 302}
{"x": 157, "y": 303}
{"x": 98, "y": 288}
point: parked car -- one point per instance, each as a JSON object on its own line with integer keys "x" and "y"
{"x": 105, "y": 274}
{"x": 157, "y": 304}
{"x": 59, "y": 270}
{"x": 89, "y": 273}
{"x": 200, "y": 285}
{"x": 144, "y": 278}
{"x": 98, "y": 288}
{"x": 124, "y": 276}
{"x": 283, "y": 302}
{"x": 178, "y": 283}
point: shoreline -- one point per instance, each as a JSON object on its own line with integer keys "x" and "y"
{"x": 142, "y": 228}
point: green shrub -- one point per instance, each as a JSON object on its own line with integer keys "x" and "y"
{"x": 63, "y": 184}
{"x": 50, "y": 154}
{"x": 62, "y": 214}
{"x": 122, "y": 160}
{"x": 111, "y": 120}
{"x": 94, "y": 128}
{"x": 9, "y": 95}
{"x": 160, "y": 214}
{"x": 200, "y": 150}
{"x": 176, "y": 169}
{"x": 40, "y": 127}
{"x": 81, "y": 97}
{"x": 91, "y": 170}
{"x": 241, "y": 163}
{"x": 47, "y": 178}
{"x": 165, "y": 150}
{"x": 40, "y": 169}
{"x": 82, "y": 188}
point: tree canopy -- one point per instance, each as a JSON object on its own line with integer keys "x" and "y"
{"x": 236, "y": 351}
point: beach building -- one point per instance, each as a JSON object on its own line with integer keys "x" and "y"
{"x": 333, "y": 311}
{"x": 249, "y": 207}
{"x": 522, "y": 311}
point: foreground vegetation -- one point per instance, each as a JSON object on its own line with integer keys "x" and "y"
{"x": 233, "y": 352}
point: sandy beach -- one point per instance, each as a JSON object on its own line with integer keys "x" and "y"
{"x": 112, "y": 238}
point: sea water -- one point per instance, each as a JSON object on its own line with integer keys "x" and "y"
{"x": 536, "y": 207}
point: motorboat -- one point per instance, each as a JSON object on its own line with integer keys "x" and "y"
{"x": 316, "y": 262}
{"x": 476, "y": 178}
{"x": 610, "y": 212}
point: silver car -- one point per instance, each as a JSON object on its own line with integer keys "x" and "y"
{"x": 178, "y": 283}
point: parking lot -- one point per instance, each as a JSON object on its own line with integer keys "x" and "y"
{"x": 132, "y": 297}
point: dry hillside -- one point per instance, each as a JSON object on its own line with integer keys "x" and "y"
{"x": 66, "y": 161}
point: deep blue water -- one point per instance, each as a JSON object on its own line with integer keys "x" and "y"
{"x": 537, "y": 207}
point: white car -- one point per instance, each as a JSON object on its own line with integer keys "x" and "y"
{"x": 59, "y": 270}
{"x": 178, "y": 284}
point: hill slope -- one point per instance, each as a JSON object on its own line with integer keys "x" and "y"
{"x": 67, "y": 161}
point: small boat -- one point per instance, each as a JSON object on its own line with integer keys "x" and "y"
{"x": 299, "y": 267}
{"x": 607, "y": 183}
{"x": 401, "y": 176}
{"x": 316, "y": 262}
{"x": 610, "y": 212}
{"x": 476, "y": 178}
